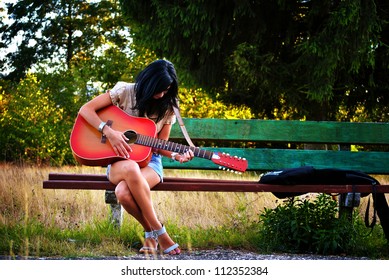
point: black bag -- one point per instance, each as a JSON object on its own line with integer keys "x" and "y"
{"x": 307, "y": 175}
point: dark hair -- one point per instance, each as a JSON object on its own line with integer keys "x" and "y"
{"x": 155, "y": 78}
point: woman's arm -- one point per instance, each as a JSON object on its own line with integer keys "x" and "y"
{"x": 89, "y": 109}
{"x": 116, "y": 138}
{"x": 164, "y": 135}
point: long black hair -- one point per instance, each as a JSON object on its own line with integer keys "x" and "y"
{"x": 155, "y": 78}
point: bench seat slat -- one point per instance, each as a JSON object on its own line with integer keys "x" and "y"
{"x": 78, "y": 184}
{"x": 99, "y": 182}
{"x": 102, "y": 177}
{"x": 71, "y": 176}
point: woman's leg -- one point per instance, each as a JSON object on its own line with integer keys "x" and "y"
{"x": 129, "y": 172}
{"x": 164, "y": 239}
{"x": 129, "y": 204}
{"x": 133, "y": 192}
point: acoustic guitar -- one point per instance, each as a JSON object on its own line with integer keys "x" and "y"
{"x": 90, "y": 148}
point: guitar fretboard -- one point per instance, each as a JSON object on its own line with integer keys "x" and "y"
{"x": 171, "y": 146}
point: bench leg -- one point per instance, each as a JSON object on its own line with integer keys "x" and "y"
{"x": 116, "y": 215}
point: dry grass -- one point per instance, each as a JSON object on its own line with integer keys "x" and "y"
{"x": 22, "y": 198}
{"x": 207, "y": 209}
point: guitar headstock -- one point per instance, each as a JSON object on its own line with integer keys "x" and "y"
{"x": 230, "y": 162}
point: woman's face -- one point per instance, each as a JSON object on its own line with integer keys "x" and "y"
{"x": 161, "y": 94}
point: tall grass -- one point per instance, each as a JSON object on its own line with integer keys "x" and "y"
{"x": 38, "y": 222}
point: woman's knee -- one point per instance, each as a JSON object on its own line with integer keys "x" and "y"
{"x": 123, "y": 170}
{"x": 122, "y": 192}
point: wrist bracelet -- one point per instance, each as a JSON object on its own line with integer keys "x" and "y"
{"x": 101, "y": 126}
{"x": 173, "y": 155}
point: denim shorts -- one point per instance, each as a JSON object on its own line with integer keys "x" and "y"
{"x": 155, "y": 163}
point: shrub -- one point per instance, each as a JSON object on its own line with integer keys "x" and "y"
{"x": 302, "y": 225}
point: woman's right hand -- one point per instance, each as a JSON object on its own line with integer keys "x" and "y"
{"x": 118, "y": 142}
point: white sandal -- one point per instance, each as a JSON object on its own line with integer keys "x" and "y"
{"x": 146, "y": 249}
{"x": 161, "y": 231}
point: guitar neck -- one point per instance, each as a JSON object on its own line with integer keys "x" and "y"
{"x": 171, "y": 146}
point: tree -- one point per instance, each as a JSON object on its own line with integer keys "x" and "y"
{"x": 72, "y": 46}
{"x": 33, "y": 127}
{"x": 58, "y": 33}
{"x": 306, "y": 58}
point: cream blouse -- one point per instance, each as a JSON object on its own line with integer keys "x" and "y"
{"x": 123, "y": 96}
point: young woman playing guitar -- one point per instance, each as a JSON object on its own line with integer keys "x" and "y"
{"x": 152, "y": 96}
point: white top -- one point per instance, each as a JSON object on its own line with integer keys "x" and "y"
{"x": 123, "y": 95}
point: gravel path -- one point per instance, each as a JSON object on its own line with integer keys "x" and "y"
{"x": 217, "y": 254}
{"x": 223, "y": 254}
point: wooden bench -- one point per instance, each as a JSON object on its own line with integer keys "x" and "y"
{"x": 267, "y": 145}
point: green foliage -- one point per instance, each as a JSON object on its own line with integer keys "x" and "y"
{"x": 250, "y": 73}
{"x": 59, "y": 33}
{"x": 196, "y": 103}
{"x": 339, "y": 49}
{"x": 306, "y": 226}
{"x": 303, "y": 58}
{"x": 32, "y": 125}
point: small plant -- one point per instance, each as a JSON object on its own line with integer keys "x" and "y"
{"x": 306, "y": 226}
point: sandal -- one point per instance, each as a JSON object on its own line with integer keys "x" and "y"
{"x": 172, "y": 248}
{"x": 146, "y": 249}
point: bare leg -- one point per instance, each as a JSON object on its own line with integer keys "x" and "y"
{"x": 129, "y": 172}
{"x": 129, "y": 204}
{"x": 133, "y": 192}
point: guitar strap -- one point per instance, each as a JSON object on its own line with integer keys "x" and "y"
{"x": 182, "y": 126}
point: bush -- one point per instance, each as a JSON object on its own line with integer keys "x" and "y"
{"x": 301, "y": 225}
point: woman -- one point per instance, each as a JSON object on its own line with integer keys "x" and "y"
{"x": 153, "y": 96}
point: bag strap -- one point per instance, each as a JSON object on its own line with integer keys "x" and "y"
{"x": 374, "y": 221}
{"x": 182, "y": 126}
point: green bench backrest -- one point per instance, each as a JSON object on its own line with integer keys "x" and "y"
{"x": 266, "y": 134}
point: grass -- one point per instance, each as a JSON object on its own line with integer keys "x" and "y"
{"x": 75, "y": 223}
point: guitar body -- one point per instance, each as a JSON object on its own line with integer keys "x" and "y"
{"x": 88, "y": 148}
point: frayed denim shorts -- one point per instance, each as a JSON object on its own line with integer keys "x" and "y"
{"x": 155, "y": 163}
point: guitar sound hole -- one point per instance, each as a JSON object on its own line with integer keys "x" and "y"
{"x": 131, "y": 135}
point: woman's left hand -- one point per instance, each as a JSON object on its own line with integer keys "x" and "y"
{"x": 185, "y": 157}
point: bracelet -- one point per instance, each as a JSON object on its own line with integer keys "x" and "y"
{"x": 101, "y": 126}
{"x": 173, "y": 155}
